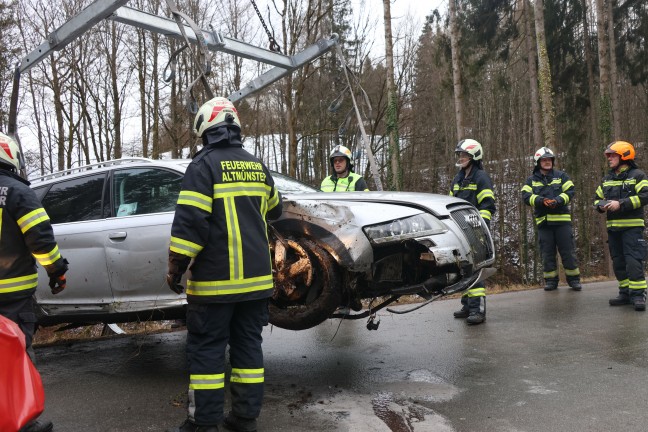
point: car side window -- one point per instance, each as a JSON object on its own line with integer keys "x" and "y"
{"x": 75, "y": 200}
{"x": 145, "y": 190}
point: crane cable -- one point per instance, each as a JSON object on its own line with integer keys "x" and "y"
{"x": 373, "y": 166}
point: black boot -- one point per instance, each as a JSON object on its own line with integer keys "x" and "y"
{"x": 37, "y": 426}
{"x": 550, "y": 285}
{"x": 476, "y": 318}
{"x": 622, "y": 299}
{"x": 575, "y": 285}
{"x": 464, "y": 311}
{"x": 189, "y": 426}
{"x": 638, "y": 300}
{"x": 240, "y": 424}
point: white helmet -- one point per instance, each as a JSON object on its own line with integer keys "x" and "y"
{"x": 543, "y": 152}
{"x": 470, "y": 146}
{"x": 10, "y": 156}
{"x": 218, "y": 111}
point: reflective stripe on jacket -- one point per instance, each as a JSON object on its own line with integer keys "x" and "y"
{"x": 26, "y": 236}
{"x": 477, "y": 189}
{"x": 555, "y": 185}
{"x": 351, "y": 183}
{"x": 220, "y": 222}
{"x": 630, "y": 188}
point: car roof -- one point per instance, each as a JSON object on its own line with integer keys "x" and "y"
{"x": 179, "y": 164}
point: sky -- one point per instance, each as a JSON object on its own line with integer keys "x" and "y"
{"x": 404, "y": 13}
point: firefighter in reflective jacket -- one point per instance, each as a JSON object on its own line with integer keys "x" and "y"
{"x": 549, "y": 192}
{"x": 622, "y": 195}
{"x": 220, "y": 223}
{"x": 343, "y": 178}
{"x": 26, "y": 236}
{"x": 474, "y": 185}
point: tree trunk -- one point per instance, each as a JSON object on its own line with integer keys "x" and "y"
{"x": 394, "y": 176}
{"x": 605, "y": 124}
{"x": 614, "y": 78}
{"x": 456, "y": 70}
{"x": 533, "y": 75}
{"x": 544, "y": 72}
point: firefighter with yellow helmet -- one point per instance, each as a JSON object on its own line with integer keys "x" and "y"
{"x": 621, "y": 196}
{"x": 27, "y": 237}
{"x": 220, "y": 225}
{"x": 343, "y": 178}
{"x": 549, "y": 191}
{"x": 474, "y": 185}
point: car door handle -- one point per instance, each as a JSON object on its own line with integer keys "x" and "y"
{"x": 120, "y": 235}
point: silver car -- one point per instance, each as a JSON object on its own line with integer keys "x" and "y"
{"x": 342, "y": 255}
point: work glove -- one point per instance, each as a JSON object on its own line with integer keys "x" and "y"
{"x": 57, "y": 283}
{"x": 178, "y": 264}
{"x": 551, "y": 203}
{"x": 173, "y": 280}
{"x": 56, "y": 273}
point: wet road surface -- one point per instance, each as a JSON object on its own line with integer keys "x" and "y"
{"x": 544, "y": 361}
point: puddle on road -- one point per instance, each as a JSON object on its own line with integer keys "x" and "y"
{"x": 393, "y": 407}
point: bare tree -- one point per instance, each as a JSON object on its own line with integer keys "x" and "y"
{"x": 544, "y": 74}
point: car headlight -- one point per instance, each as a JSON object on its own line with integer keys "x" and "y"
{"x": 400, "y": 229}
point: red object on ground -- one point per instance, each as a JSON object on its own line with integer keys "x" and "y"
{"x": 22, "y": 398}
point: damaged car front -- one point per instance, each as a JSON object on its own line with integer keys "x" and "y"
{"x": 338, "y": 249}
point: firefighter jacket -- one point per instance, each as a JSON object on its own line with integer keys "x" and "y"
{"x": 630, "y": 188}
{"x": 555, "y": 185}
{"x": 220, "y": 222}
{"x": 477, "y": 189}
{"x": 350, "y": 183}
{"x": 26, "y": 236}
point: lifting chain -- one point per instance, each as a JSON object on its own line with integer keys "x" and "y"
{"x": 274, "y": 46}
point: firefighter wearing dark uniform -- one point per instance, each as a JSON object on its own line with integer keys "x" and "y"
{"x": 343, "y": 178}
{"x": 26, "y": 236}
{"x": 549, "y": 191}
{"x": 622, "y": 195}
{"x": 474, "y": 185}
{"x": 220, "y": 223}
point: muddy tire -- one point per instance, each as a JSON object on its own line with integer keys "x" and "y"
{"x": 324, "y": 294}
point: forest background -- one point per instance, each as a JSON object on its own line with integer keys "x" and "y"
{"x": 514, "y": 74}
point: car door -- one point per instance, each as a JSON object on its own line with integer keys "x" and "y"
{"x": 137, "y": 248}
{"x": 77, "y": 213}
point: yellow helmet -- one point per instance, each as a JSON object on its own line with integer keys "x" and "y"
{"x": 10, "y": 156}
{"x": 218, "y": 111}
{"x": 623, "y": 149}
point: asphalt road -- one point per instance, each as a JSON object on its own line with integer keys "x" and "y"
{"x": 544, "y": 361}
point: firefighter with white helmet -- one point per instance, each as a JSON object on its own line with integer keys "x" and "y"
{"x": 220, "y": 225}
{"x": 27, "y": 237}
{"x": 622, "y": 195}
{"x": 474, "y": 185}
{"x": 549, "y": 191}
{"x": 343, "y": 178}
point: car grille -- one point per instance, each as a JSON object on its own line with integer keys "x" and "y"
{"x": 476, "y": 232}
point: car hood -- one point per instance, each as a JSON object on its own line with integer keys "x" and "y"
{"x": 374, "y": 207}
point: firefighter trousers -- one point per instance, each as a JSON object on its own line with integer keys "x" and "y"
{"x": 210, "y": 328}
{"x": 560, "y": 238}
{"x": 22, "y": 313}
{"x": 474, "y": 299}
{"x": 628, "y": 252}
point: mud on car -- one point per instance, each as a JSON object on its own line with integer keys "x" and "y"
{"x": 332, "y": 252}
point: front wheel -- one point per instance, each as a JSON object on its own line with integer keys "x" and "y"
{"x": 307, "y": 285}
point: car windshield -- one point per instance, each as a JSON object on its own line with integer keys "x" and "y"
{"x": 288, "y": 185}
